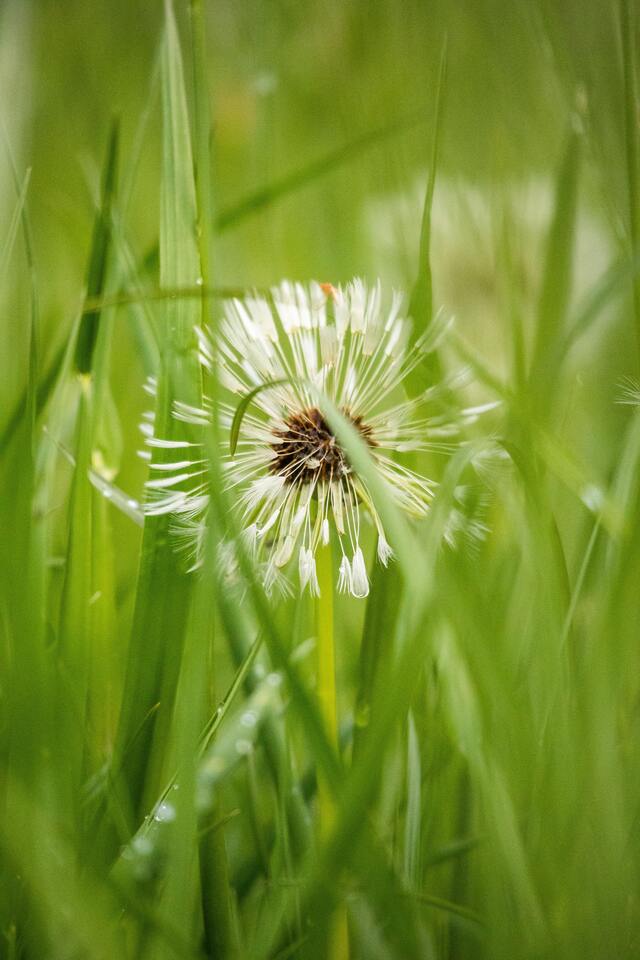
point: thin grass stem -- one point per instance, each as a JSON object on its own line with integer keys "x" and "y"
{"x": 328, "y": 705}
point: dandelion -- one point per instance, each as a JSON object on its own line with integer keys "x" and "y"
{"x": 290, "y": 477}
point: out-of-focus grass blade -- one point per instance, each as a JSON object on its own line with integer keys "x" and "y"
{"x": 453, "y": 850}
{"x": 554, "y": 453}
{"x": 42, "y": 393}
{"x": 78, "y": 909}
{"x": 144, "y": 295}
{"x": 555, "y": 291}
{"x": 14, "y": 226}
{"x": 429, "y": 370}
{"x": 421, "y": 303}
{"x": 96, "y": 273}
{"x": 591, "y": 308}
{"x": 267, "y": 195}
{"x": 76, "y": 617}
{"x": 439, "y": 903}
{"x": 624, "y": 493}
{"x": 628, "y": 36}
{"x": 27, "y": 696}
{"x": 465, "y": 716}
{"x": 413, "y": 815}
{"x": 319, "y": 168}
{"x": 378, "y": 627}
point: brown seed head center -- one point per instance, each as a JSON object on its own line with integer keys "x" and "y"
{"x": 306, "y": 448}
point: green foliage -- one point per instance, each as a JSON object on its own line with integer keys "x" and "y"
{"x": 161, "y": 742}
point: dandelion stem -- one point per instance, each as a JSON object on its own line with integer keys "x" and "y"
{"x": 326, "y": 679}
{"x": 327, "y": 701}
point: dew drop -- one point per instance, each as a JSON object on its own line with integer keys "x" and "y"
{"x": 165, "y": 812}
{"x": 249, "y": 719}
{"x": 592, "y": 497}
{"x": 141, "y": 846}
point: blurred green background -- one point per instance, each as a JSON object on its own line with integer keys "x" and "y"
{"x": 502, "y": 813}
{"x": 293, "y": 83}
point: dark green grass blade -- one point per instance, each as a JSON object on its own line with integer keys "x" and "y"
{"x": 97, "y": 269}
{"x": 378, "y": 627}
{"x": 555, "y": 291}
{"x": 43, "y": 391}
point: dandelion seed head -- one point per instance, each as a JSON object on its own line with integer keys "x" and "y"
{"x": 290, "y": 478}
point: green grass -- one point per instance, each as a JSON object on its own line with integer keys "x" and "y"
{"x": 169, "y": 787}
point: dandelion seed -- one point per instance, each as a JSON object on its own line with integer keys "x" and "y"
{"x": 292, "y": 480}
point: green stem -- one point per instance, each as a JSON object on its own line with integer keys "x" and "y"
{"x": 327, "y": 703}
{"x": 326, "y": 679}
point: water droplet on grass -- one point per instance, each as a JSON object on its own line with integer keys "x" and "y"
{"x": 165, "y": 812}
{"x": 249, "y": 719}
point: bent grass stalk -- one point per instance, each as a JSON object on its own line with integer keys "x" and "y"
{"x": 327, "y": 702}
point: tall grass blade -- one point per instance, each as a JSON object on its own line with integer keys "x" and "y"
{"x": 164, "y": 588}
{"x": 555, "y": 290}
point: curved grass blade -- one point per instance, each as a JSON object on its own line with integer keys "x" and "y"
{"x": 243, "y": 406}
